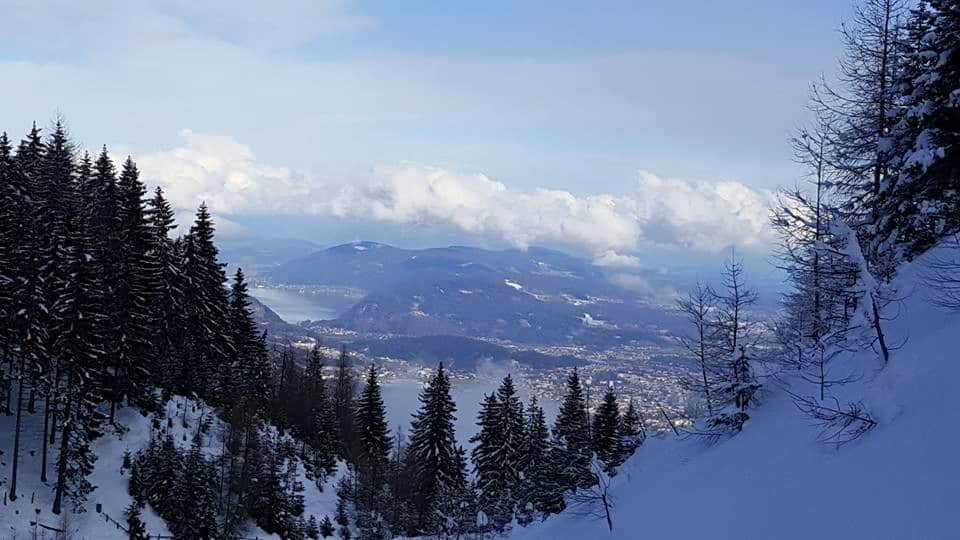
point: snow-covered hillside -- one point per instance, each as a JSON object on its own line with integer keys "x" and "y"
{"x": 18, "y": 518}
{"x": 774, "y": 480}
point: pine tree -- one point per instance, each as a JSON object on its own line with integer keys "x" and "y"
{"x": 168, "y": 317}
{"x": 372, "y": 433}
{"x": 435, "y": 461}
{"x": 343, "y": 404}
{"x": 30, "y": 306}
{"x": 136, "y": 530}
{"x": 630, "y": 433}
{"x": 497, "y": 455}
{"x": 80, "y": 325}
{"x": 373, "y": 450}
{"x": 605, "y": 425}
{"x": 326, "y": 526}
{"x": 247, "y": 376}
{"x": 196, "y": 510}
{"x": 541, "y": 491}
{"x": 103, "y": 212}
{"x": 486, "y": 443}
{"x": 320, "y": 423}
{"x": 571, "y": 432}
{"x": 924, "y": 206}
{"x": 135, "y": 364}
{"x": 343, "y": 520}
{"x": 312, "y": 529}
{"x": 205, "y": 299}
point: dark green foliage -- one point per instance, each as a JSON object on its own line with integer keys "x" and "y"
{"x": 326, "y": 527}
{"x": 205, "y": 305}
{"x": 571, "y": 450}
{"x": 630, "y": 433}
{"x": 435, "y": 462}
{"x": 373, "y": 449}
{"x": 497, "y": 454}
{"x": 606, "y": 422}
{"x": 136, "y": 530}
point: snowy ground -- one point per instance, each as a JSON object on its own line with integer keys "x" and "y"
{"x": 17, "y": 518}
{"x": 901, "y": 481}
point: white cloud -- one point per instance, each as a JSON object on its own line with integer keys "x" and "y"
{"x": 702, "y": 216}
{"x": 612, "y": 259}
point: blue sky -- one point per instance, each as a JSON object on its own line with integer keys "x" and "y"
{"x": 599, "y": 127}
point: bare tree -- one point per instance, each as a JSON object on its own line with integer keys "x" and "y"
{"x": 698, "y": 308}
{"x": 838, "y": 424}
{"x": 595, "y": 502}
{"x": 733, "y": 302}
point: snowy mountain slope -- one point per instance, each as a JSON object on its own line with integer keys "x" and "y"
{"x": 900, "y": 481}
{"x": 17, "y": 517}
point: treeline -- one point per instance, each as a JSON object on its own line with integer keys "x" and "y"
{"x": 105, "y": 309}
{"x": 523, "y": 470}
{"x": 102, "y": 308}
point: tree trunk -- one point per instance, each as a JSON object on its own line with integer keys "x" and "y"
{"x": 64, "y": 448}
{"x": 16, "y": 436}
{"x": 881, "y": 339}
{"x": 54, "y": 413}
{"x": 32, "y": 400}
{"x": 606, "y": 509}
{"x": 43, "y": 441}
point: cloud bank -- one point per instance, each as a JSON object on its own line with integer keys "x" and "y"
{"x": 702, "y": 216}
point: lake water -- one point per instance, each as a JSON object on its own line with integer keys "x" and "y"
{"x": 293, "y": 306}
{"x": 401, "y": 400}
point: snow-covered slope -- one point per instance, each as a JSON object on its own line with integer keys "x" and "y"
{"x": 17, "y": 518}
{"x": 900, "y": 481}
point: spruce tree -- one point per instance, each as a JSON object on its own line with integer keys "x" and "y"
{"x": 196, "y": 510}
{"x": 343, "y": 405}
{"x": 497, "y": 455}
{"x": 605, "y": 425}
{"x": 925, "y": 205}
{"x": 630, "y": 433}
{"x": 373, "y": 450}
{"x": 135, "y": 363}
{"x": 485, "y": 465}
{"x": 247, "y": 376}
{"x": 541, "y": 490}
{"x": 312, "y": 529}
{"x": 168, "y": 315}
{"x": 571, "y": 432}
{"x": 80, "y": 328}
{"x": 433, "y": 455}
{"x": 326, "y": 526}
{"x": 205, "y": 299}
{"x": 320, "y": 429}
{"x": 30, "y": 307}
{"x": 136, "y": 530}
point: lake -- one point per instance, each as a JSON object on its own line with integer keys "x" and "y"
{"x": 401, "y": 400}
{"x": 294, "y": 306}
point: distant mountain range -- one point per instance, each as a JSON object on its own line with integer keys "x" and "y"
{"x": 537, "y": 296}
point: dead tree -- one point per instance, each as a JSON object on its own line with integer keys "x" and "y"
{"x": 839, "y": 424}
